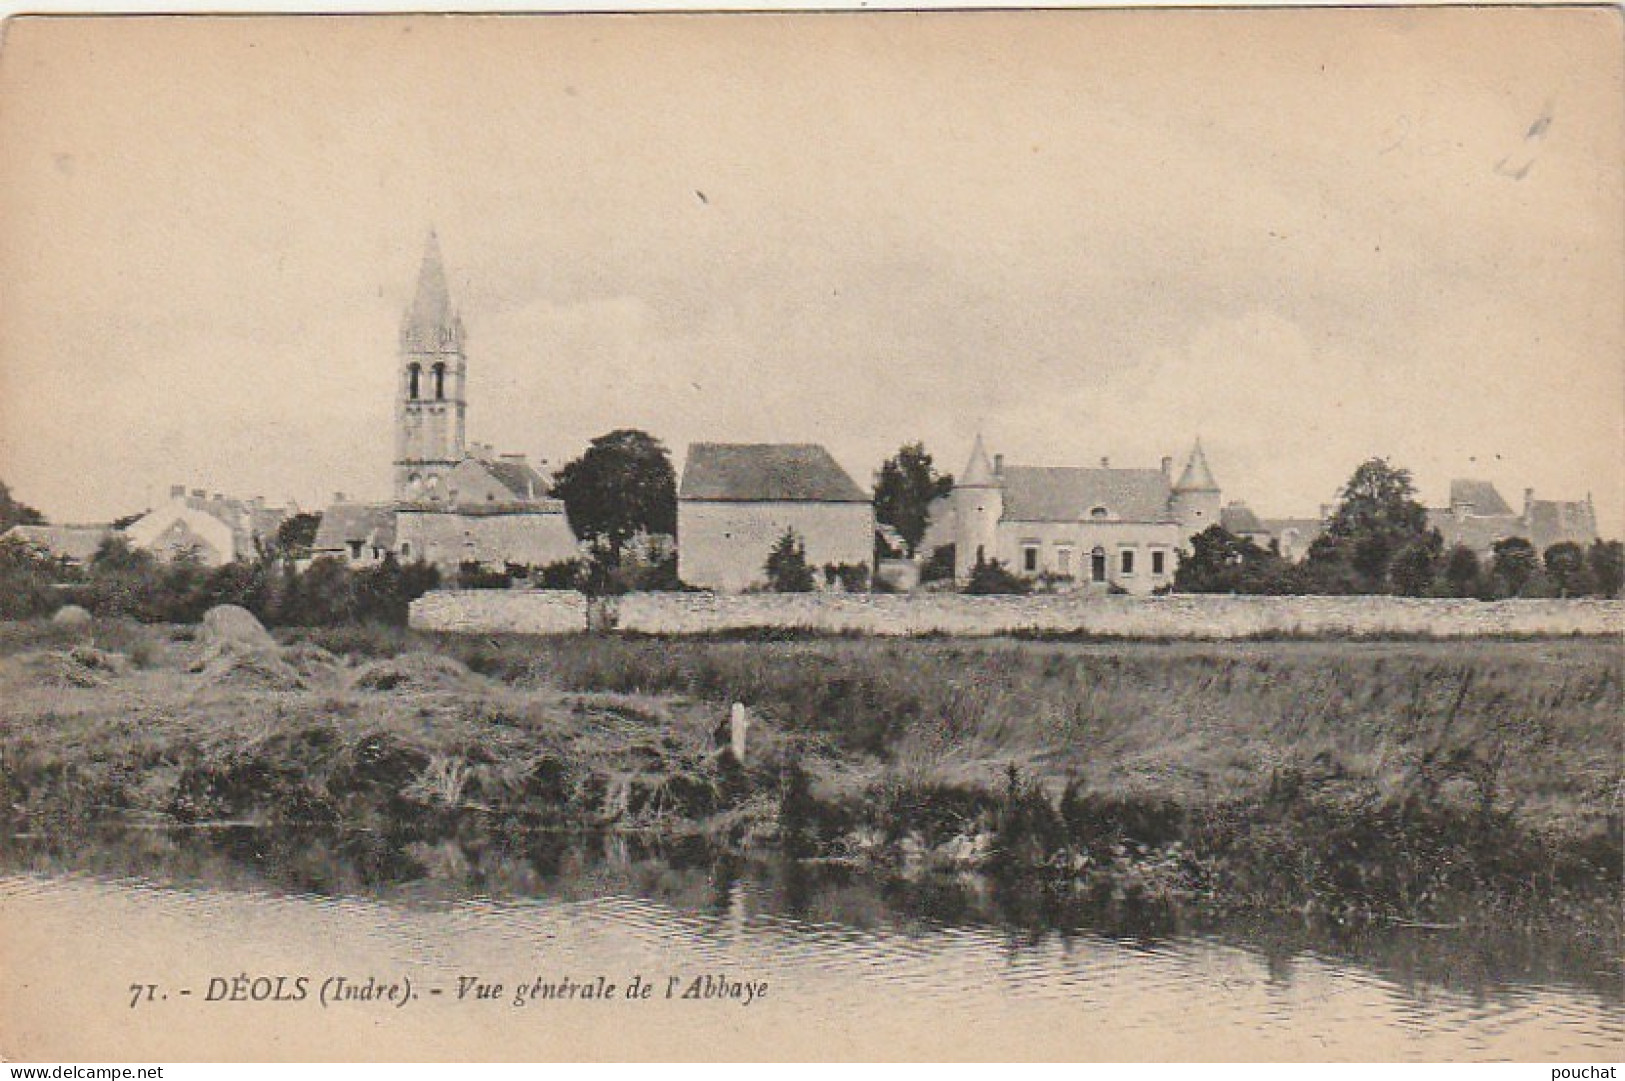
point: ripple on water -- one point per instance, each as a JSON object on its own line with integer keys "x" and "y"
{"x": 1206, "y": 989}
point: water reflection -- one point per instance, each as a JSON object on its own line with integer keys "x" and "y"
{"x": 959, "y": 943}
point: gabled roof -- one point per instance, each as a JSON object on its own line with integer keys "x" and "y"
{"x": 766, "y": 472}
{"x": 1197, "y": 477}
{"x": 1480, "y": 494}
{"x": 1238, "y": 518}
{"x": 74, "y": 542}
{"x": 369, "y": 523}
{"x": 518, "y": 477}
{"x": 1067, "y": 494}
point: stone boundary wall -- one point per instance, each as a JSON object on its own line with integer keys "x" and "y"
{"x": 1187, "y": 616}
{"x": 487, "y": 611}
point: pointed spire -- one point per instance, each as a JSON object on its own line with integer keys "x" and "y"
{"x": 978, "y": 471}
{"x": 432, "y": 304}
{"x": 1197, "y": 477}
{"x": 430, "y": 320}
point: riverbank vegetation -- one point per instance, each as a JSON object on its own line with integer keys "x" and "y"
{"x": 1445, "y": 783}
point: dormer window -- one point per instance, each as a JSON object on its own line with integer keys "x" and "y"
{"x": 1099, "y": 513}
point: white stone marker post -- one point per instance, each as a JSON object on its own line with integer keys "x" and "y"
{"x": 738, "y": 724}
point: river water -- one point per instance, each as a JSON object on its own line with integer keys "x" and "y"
{"x": 134, "y": 945}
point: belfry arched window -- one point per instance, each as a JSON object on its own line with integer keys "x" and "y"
{"x": 414, "y": 373}
{"x": 439, "y": 382}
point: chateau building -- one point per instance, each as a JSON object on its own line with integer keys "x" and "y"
{"x": 1478, "y": 517}
{"x": 1094, "y": 527}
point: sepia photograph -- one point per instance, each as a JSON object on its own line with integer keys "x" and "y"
{"x": 982, "y": 535}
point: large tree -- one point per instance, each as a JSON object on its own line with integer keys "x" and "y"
{"x": 297, "y": 533}
{"x": 623, "y": 485}
{"x": 1566, "y": 569}
{"x": 1462, "y": 571}
{"x": 1378, "y": 517}
{"x": 1515, "y": 562}
{"x": 1607, "y": 562}
{"x": 1221, "y": 562}
{"x": 13, "y": 512}
{"x": 907, "y": 483}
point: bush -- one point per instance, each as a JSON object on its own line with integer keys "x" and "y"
{"x": 472, "y": 575}
{"x": 852, "y": 577}
{"x": 786, "y": 566}
{"x": 564, "y": 574}
{"x": 384, "y": 593}
{"x": 940, "y": 567}
{"x": 130, "y": 582}
{"x": 27, "y": 582}
{"x": 991, "y": 576}
{"x": 1606, "y": 561}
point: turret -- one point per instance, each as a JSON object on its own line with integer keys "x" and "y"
{"x": 978, "y": 504}
{"x": 1193, "y": 500}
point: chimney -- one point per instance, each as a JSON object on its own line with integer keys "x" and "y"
{"x": 1528, "y": 503}
{"x": 177, "y": 491}
{"x": 258, "y": 502}
{"x": 338, "y": 497}
{"x": 198, "y": 493}
{"x": 1167, "y": 468}
{"x": 998, "y": 465}
{"x": 1105, "y": 462}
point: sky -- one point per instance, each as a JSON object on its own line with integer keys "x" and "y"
{"x": 1308, "y": 238}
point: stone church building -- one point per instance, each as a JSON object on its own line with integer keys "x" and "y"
{"x": 1093, "y": 527}
{"x": 455, "y": 502}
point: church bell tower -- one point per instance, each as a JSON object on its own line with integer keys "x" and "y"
{"x": 430, "y": 396}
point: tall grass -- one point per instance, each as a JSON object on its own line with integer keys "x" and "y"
{"x": 1526, "y": 726}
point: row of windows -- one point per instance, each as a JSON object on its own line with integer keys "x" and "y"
{"x": 1096, "y": 563}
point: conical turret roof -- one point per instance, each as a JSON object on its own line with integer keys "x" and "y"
{"x": 978, "y": 471}
{"x": 1197, "y": 477}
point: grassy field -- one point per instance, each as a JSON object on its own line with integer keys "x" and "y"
{"x": 1419, "y": 781}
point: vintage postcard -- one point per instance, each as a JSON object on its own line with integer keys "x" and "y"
{"x": 1028, "y": 535}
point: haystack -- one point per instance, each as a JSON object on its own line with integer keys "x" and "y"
{"x": 415, "y": 672}
{"x": 227, "y": 624}
{"x": 70, "y": 615}
{"x": 235, "y": 650}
